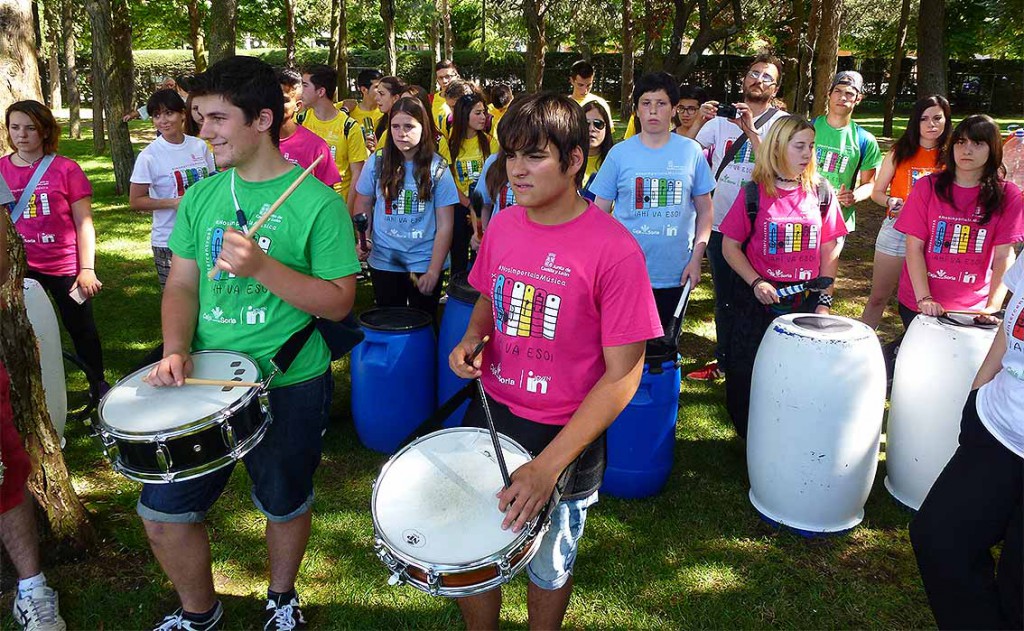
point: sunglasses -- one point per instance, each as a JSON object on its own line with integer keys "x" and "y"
{"x": 596, "y": 123}
{"x": 763, "y": 77}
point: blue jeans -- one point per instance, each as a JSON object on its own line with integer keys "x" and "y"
{"x": 551, "y": 567}
{"x": 723, "y": 279}
{"x": 281, "y": 466}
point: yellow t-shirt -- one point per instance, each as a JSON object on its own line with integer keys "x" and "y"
{"x": 593, "y": 166}
{"x": 441, "y": 150}
{"x": 593, "y": 97}
{"x": 367, "y": 120}
{"x": 440, "y": 111}
{"x": 346, "y": 146}
{"x": 467, "y": 165}
{"x": 630, "y": 128}
{"x": 496, "y": 115}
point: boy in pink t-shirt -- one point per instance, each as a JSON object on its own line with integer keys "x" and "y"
{"x": 299, "y": 145}
{"x": 567, "y": 304}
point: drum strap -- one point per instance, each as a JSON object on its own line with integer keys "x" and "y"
{"x": 433, "y": 422}
{"x": 282, "y": 360}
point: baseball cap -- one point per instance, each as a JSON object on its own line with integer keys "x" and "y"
{"x": 851, "y": 78}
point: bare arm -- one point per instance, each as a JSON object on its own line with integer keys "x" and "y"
{"x": 705, "y": 216}
{"x": 355, "y": 169}
{"x": 1002, "y": 258}
{"x": 139, "y": 199}
{"x": 85, "y": 233}
{"x": 178, "y": 312}
{"x": 880, "y": 190}
{"x": 918, "y": 271}
{"x": 442, "y": 244}
{"x": 764, "y": 290}
{"x": 993, "y": 361}
{"x": 867, "y": 184}
{"x": 603, "y": 204}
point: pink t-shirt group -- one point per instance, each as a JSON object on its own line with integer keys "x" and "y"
{"x": 788, "y": 232}
{"x": 302, "y": 147}
{"x": 958, "y": 249}
{"x": 48, "y": 226}
{"x": 560, "y": 294}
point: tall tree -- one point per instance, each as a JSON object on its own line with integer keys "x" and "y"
{"x": 49, "y": 482}
{"x": 338, "y": 51}
{"x": 20, "y": 80}
{"x": 895, "y": 67}
{"x": 535, "y": 15}
{"x": 289, "y": 33}
{"x": 69, "y": 12}
{"x": 112, "y": 29}
{"x": 223, "y": 20}
{"x": 626, "y": 108}
{"x": 387, "y": 16}
{"x": 716, "y": 21}
{"x": 98, "y": 81}
{"x": 795, "y": 55}
{"x": 826, "y": 49}
{"x": 445, "y": 9}
{"x": 931, "y": 48}
{"x": 195, "y": 34}
{"x": 51, "y": 32}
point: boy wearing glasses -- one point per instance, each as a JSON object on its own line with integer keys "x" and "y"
{"x": 733, "y": 138}
{"x": 843, "y": 148}
{"x": 660, "y": 185}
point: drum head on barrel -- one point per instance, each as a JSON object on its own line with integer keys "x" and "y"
{"x": 434, "y": 502}
{"x": 135, "y": 407}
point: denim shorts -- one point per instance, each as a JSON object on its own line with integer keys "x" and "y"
{"x": 281, "y": 466}
{"x": 551, "y": 567}
{"x": 890, "y": 240}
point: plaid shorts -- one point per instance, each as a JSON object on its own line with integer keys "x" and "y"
{"x": 162, "y": 259}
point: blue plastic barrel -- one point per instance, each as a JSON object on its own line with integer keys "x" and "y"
{"x": 641, "y": 441}
{"x": 393, "y": 376}
{"x": 461, "y": 300}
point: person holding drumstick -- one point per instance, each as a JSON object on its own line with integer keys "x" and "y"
{"x": 300, "y": 264}
{"x": 567, "y": 305}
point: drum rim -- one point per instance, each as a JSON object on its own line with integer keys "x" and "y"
{"x": 855, "y": 331}
{"x": 192, "y": 427}
{"x": 514, "y": 545}
{"x": 427, "y": 320}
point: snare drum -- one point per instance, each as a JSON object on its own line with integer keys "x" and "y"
{"x": 170, "y": 434}
{"x": 436, "y": 521}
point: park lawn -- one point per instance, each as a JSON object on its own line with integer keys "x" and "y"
{"x": 695, "y": 556}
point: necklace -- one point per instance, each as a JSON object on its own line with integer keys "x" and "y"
{"x": 25, "y": 161}
{"x": 786, "y": 179}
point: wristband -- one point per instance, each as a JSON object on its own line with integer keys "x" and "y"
{"x": 928, "y": 297}
{"x": 757, "y": 281}
{"x": 825, "y": 300}
{"x": 93, "y": 269}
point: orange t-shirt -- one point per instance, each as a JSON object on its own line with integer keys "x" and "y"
{"x": 911, "y": 170}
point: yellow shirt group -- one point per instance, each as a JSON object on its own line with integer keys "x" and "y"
{"x": 344, "y": 136}
{"x": 467, "y": 165}
{"x": 440, "y": 111}
{"x": 367, "y": 120}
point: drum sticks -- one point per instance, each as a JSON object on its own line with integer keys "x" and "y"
{"x": 222, "y": 383}
{"x": 265, "y": 216}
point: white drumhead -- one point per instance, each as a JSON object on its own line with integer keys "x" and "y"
{"x": 435, "y": 502}
{"x": 136, "y": 407}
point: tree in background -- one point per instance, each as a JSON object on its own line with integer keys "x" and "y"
{"x": 387, "y": 16}
{"x": 195, "y": 33}
{"x": 717, "y": 21}
{"x": 826, "y": 47}
{"x": 337, "y": 53}
{"x": 626, "y": 108}
{"x": 20, "y": 79}
{"x": 69, "y": 13}
{"x": 289, "y": 33}
{"x": 931, "y": 48}
{"x": 50, "y": 31}
{"x": 223, "y": 19}
{"x": 895, "y": 68}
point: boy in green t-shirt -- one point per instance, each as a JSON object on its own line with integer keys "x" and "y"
{"x": 300, "y": 264}
{"x": 844, "y": 148}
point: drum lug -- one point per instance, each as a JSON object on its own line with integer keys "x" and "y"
{"x": 110, "y": 449}
{"x": 397, "y": 568}
{"x": 164, "y": 461}
{"x": 433, "y": 582}
{"x": 505, "y": 569}
{"x": 229, "y": 437}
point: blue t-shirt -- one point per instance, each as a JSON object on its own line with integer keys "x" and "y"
{"x": 404, "y": 228}
{"x": 506, "y": 197}
{"x": 653, "y": 191}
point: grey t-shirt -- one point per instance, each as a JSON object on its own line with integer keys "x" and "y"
{"x": 6, "y": 196}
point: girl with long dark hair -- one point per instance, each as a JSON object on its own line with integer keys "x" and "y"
{"x": 470, "y": 145}
{"x": 601, "y": 142}
{"x": 389, "y": 90}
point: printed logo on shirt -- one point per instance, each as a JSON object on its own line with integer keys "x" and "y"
{"x": 186, "y": 177}
{"x": 830, "y": 161}
{"x": 468, "y": 170}
{"x": 653, "y": 192}
{"x": 916, "y": 173}
{"x": 408, "y": 203}
{"x": 216, "y": 241}
{"x": 1017, "y": 332}
{"x": 790, "y": 237}
{"x": 334, "y": 151}
{"x": 523, "y": 310}
{"x": 254, "y": 315}
{"x": 38, "y": 206}
{"x": 957, "y": 238}
{"x": 506, "y": 197}
{"x": 47, "y": 238}
{"x": 216, "y": 315}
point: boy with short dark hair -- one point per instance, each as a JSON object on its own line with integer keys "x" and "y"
{"x": 565, "y": 301}
{"x": 298, "y": 145}
{"x": 366, "y": 112}
{"x": 581, "y": 79}
{"x": 445, "y": 73}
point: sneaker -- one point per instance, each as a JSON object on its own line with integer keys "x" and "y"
{"x": 177, "y": 622}
{"x": 711, "y": 372}
{"x": 283, "y": 616}
{"x": 38, "y": 611}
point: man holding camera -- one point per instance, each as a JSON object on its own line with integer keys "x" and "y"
{"x": 733, "y": 132}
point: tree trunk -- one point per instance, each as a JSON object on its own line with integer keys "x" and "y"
{"x": 806, "y": 69}
{"x": 825, "y": 51}
{"x": 195, "y": 35}
{"x": 111, "y": 29}
{"x": 483, "y": 27}
{"x": 49, "y": 481}
{"x": 626, "y": 109}
{"x": 289, "y": 33}
{"x": 712, "y": 29}
{"x": 796, "y": 37}
{"x": 98, "y": 80}
{"x": 387, "y": 16}
{"x": 536, "y": 43}
{"x": 69, "y": 12}
{"x": 332, "y": 44}
{"x": 20, "y": 79}
{"x": 343, "y": 85}
{"x": 51, "y": 20}
{"x": 931, "y": 49}
{"x": 894, "y": 69}
{"x": 446, "y": 27}
{"x": 435, "y": 40}
{"x": 223, "y": 19}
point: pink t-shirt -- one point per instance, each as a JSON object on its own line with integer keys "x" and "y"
{"x": 302, "y": 147}
{"x": 560, "y": 294}
{"x": 47, "y": 226}
{"x": 789, "y": 231}
{"x": 957, "y": 249}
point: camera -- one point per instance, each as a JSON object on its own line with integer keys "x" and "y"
{"x": 727, "y": 110}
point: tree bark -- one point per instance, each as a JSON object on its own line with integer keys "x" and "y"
{"x": 289, "y": 33}
{"x": 221, "y": 38}
{"x": 19, "y": 66}
{"x": 807, "y": 59}
{"x": 332, "y": 44}
{"x": 435, "y": 38}
{"x": 111, "y": 28}
{"x": 342, "y": 64}
{"x": 51, "y": 21}
{"x": 195, "y": 35}
{"x": 626, "y": 109}
{"x": 534, "y": 12}
{"x": 49, "y": 481}
{"x": 793, "y": 46}
{"x": 387, "y": 16}
{"x": 98, "y": 80}
{"x": 931, "y": 49}
{"x": 69, "y": 13}
{"x": 712, "y": 28}
{"x": 895, "y": 67}
{"x": 446, "y": 27}
{"x": 825, "y": 51}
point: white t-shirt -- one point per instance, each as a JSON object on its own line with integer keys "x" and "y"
{"x": 170, "y": 170}
{"x": 718, "y": 134}
{"x": 1001, "y": 401}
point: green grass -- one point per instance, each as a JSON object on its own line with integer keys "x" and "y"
{"x": 695, "y": 556}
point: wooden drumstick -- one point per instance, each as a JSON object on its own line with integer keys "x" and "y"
{"x": 273, "y": 208}
{"x": 970, "y": 313}
{"x": 222, "y": 383}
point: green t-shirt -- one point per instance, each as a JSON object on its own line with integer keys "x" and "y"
{"x": 838, "y": 152}
{"x": 310, "y": 233}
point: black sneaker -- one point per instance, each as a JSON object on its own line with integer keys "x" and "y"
{"x": 177, "y": 622}
{"x": 283, "y": 613}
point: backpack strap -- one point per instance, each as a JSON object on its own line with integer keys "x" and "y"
{"x": 301, "y": 116}
{"x": 824, "y": 198}
{"x": 751, "y": 200}
{"x": 862, "y": 144}
{"x": 30, "y": 188}
{"x": 734, "y": 148}
{"x": 349, "y": 124}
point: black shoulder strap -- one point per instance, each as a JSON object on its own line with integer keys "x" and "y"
{"x": 737, "y": 144}
{"x": 751, "y": 200}
{"x": 824, "y": 198}
{"x": 349, "y": 124}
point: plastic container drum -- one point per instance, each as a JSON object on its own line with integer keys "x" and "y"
{"x": 642, "y": 440}
{"x": 816, "y": 404}
{"x": 44, "y": 322}
{"x": 394, "y": 381}
{"x": 935, "y": 368}
{"x": 461, "y": 300}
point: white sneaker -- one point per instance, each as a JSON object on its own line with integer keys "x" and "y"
{"x": 38, "y": 611}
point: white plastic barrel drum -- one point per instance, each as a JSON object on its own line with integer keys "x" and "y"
{"x": 935, "y": 368}
{"x": 816, "y": 402}
{"x": 44, "y": 322}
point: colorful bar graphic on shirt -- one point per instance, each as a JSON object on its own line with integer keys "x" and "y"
{"x": 940, "y": 236}
{"x": 791, "y": 237}
{"x": 468, "y": 169}
{"x": 184, "y": 178}
{"x": 657, "y": 192}
{"x": 959, "y": 239}
{"x": 408, "y": 203}
{"x": 830, "y": 161}
{"x": 522, "y": 310}
{"x": 1018, "y": 326}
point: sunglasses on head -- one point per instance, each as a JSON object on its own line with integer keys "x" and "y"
{"x": 596, "y": 123}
